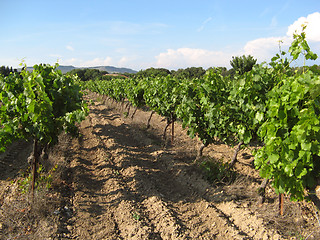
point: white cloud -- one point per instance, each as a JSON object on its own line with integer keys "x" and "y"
{"x": 14, "y": 62}
{"x": 54, "y": 55}
{"x": 87, "y": 63}
{"x": 192, "y": 57}
{"x": 70, "y": 48}
{"x": 312, "y": 30}
{"x": 70, "y": 61}
{"x": 98, "y": 62}
{"x": 123, "y": 61}
{"x": 264, "y": 49}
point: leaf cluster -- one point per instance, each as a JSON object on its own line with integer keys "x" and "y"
{"x": 39, "y": 105}
{"x": 242, "y": 64}
{"x": 292, "y": 135}
{"x": 290, "y": 156}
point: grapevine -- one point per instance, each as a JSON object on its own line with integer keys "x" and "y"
{"x": 39, "y": 105}
{"x": 291, "y": 131}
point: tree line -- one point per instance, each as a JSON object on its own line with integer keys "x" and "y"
{"x": 5, "y": 70}
{"x": 239, "y": 65}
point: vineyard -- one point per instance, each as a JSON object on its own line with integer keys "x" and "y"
{"x": 275, "y": 107}
{"x": 162, "y": 158}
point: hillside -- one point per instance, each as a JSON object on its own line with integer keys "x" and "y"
{"x": 109, "y": 69}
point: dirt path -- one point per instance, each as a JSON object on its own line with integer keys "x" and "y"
{"x": 126, "y": 185}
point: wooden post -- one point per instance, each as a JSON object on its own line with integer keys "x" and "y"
{"x": 34, "y": 166}
{"x": 281, "y": 204}
{"x": 172, "y": 129}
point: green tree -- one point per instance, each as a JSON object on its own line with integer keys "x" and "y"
{"x": 92, "y": 74}
{"x": 153, "y": 72}
{"x": 243, "y": 64}
{"x": 315, "y": 69}
{"x": 5, "y": 71}
{"x": 79, "y": 72}
{"x": 222, "y": 70}
{"x": 88, "y": 74}
{"x": 189, "y": 73}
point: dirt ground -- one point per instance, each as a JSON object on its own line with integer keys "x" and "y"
{"x": 120, "y": 180}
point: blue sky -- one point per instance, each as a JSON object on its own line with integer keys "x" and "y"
{"x": 141, "y": 34}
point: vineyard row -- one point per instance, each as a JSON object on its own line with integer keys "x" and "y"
{"x": 270, "y": 104}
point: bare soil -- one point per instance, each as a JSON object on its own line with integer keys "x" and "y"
{"x": 120, "y": 180}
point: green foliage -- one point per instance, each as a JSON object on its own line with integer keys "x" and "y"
{"x": 39, "y": 105}
{"x": 153, "y": 72}
{"x": 189, "y": 73}
{"x": 217, "y": 172}
{"x": 292, "y": 135}
{"x": 136, "y": 216}
{"x": 291, "y": 131}
{"x": 222, "y": 70}
{"x": 315, "y": 69}
{"x": 162, "y": 95}
{"x": 134, "y": 92}
{"x": 243, "y": 64}
{"x": 5, "y": 71}
{"x": 280, "y": 63}
{"x": 44, "y": 179}
{"x": 300, "y": 46}
{"x": 190, "y": 112}
{"x": 87, "y": 74}
{"x": 247, "y": 102}
{"x": 203, "y": 106}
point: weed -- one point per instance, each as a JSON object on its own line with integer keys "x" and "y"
{"x": 216, "y": 171}
{"x": 44, "y": 179}
{"x": 136, "y": 216}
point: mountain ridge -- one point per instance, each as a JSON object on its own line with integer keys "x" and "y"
{"x": 109, "y": 69}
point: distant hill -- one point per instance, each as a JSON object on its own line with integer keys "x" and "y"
{"x": 109, "y": 69}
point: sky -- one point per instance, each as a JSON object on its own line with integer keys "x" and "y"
{"x": 139, "y": 34}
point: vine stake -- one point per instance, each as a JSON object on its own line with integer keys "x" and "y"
{"x": 281, "y": 204}
{"x": 172, "y": 132}
{"x": 34, "y": 166}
